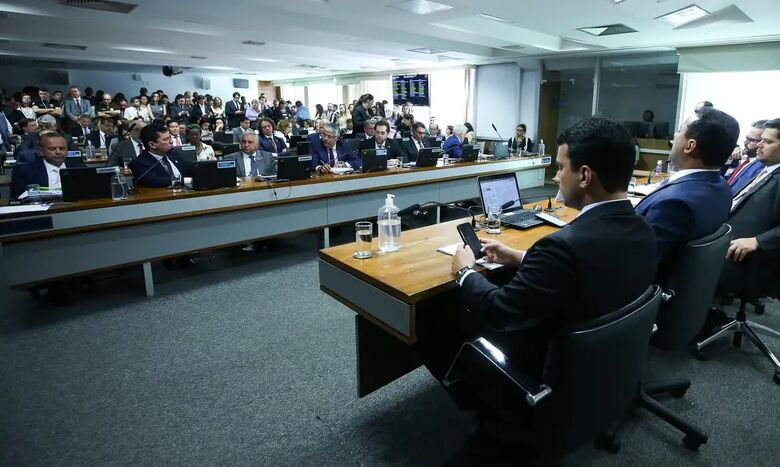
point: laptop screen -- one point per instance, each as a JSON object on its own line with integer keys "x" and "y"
{"x": 498, "y": 190}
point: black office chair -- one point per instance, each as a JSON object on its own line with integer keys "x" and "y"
{"x": 687, "y": 297}
{"x": 590, "y": 379}
{"x": 757, "y": 276}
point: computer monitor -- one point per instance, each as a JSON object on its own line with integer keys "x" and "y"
{"x": 293, "y": 168}
{"x": 639, "y": 129}
{"x": 354, "y": 144}
{"x": 661, "y": 130}
{"x": 209, "y": 175}
{"x": 230, "y": 149}
{"x": 224, "y": 138}
{"x": 187, "y": 153}
{"x": 295, "y": 139}
{"x": 500, "y": 149}
{"x": 86, "y": 182}
{"x": 470, "y": 152}
{"x": 373, "y": 159}
{"x": 499, "y": 189}
{"x": 434, "y": 141}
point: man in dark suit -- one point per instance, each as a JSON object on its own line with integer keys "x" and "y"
{"x": 158, "y": 164}
{"x": 381, "y": 141}
{"x": 269, "y": 142}
{"x": 44, "y": 170}
{"x": 695, "y": 201}
{"x": 101, "y": 139}
{"x": 412, "y": 146}
{"x": 244, "y": 125}
{"x": 331, "y": 149}
{"x": 129, "y": 148}
{"x": 83, "y": 129}
{"x": 578, "y": 273}
{"x": 748, "y": 166}
{"x": 201, "y": 110}
{"x": 234, "y": 111}
{"x": 181, "y": 110}
{"x": 755, "y": 211}
{"x": 29, "y": 140}
{"x": 360, "y": 114}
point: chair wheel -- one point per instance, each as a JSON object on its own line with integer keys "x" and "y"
{"x": 736, "y": 341}
{"x": 777, "y": 377}
{"x": 678, "y": 393}
{"x": 692, "y": 442}
{"x": 607, "y": 442}
{"x": 702, "y": 356}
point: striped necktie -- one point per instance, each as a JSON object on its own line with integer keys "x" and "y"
{"x": 741, "y": 195}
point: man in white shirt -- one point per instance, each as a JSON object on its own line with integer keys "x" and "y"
{"x": 132, "y": 112}
{"x": 44, "y": 171}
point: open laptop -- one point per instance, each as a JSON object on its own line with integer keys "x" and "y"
{"x": 469, "y": 152}
{"x": 434, "y": 141}
{"x": 500, "y": 149}
{"x": 230, "y": 149}
{"x": 224, "y": 138}
{"x": 303, "y": 148}
{"x": 354, "y": 144}
{"x": 427, "y": 157}
{"x": 295, "y": 139}
{"x": 293, "y": 168}
{"x": 209, "y": 175}
{"x": 500, "y": 189}
{"x": 187, "y": 153}
{"x": 374, "y": 160}
{"x": 86, "y": 183}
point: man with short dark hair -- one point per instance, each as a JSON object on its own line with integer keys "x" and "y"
{"x": 380, "y": 140}
{"x": 181, "y": 110}
{"x": 244, "y": 125}
{"x": 158, "y": 164}
{"x": 83, "y": 129}
{"x": 412, "y": 146}
{"x": 234, "y": 111}
{"x": 129, "y": 148}
{"x": 44, "y": 106}
{"x": 29, "y": 139}
{"x": 44, "y": 170}
{"x": 101, "y": 139}
{"x": 176, "y": 135}
{"x": 103, "y": 109}
{"x": 750, "y": 166}
{"x": 76, "y": 106}
{"x": 268, "y": 141}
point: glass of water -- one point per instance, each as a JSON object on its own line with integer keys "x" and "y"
{"x": 34, "y": 193}
{"x": 632, "y": 185}
{"x": 364, "y": 233}
{"x": 493, "y": 219}
{"x": 126, "y": 162}
{"x": 176, "y": 183}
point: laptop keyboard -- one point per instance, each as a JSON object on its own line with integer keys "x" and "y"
{"x": 518, "y": 216}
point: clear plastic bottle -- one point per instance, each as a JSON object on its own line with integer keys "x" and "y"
{"x": 389, "y": 226}
{"x": 90, "y": 151}
{"x": 118, "y": 186}
{"x": 659, "y": 167}
{"x": 541, "y": 147}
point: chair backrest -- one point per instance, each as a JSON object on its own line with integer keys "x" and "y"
{"x": 693, "y": 280}
{"x": 27, "y": 156}
{"x": 594, "y": 370}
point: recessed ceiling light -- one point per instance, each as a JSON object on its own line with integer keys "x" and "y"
{"x": 420, "y": 7}
{"x": 451, "y": 28}
{"x": 198, "y": 57}
{"x": 607, "y": 30}
{"x": 224, "y": 68}
{"x": 151, "y": 50}
{"x": 683, "y": 16}
{"x": 618, "y": 1}
{"x": 269, "y": 60}
{"x": 494, "y": 18}
{"x": 250, "y": 42}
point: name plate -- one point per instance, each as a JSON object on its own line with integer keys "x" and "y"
{"x": 187, "y": 147}
{"x": 226, "y": 164}
{"x": 105, "y": 170}
{"x": 304, "y": 158}
{"x": 381, "y": 152}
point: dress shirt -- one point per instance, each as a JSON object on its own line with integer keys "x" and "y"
{"x": 175, "y": 169}
{"x": 380, "y": 146}
{"x": 102, "y": 140}
{"x": 176, "y": 140}
{"x": 681, "y": 173}
{"x": 131, "y": 113}
{"x": 206, "y": 153}
{"x": 593, "y": 205}
{"x": 53, "y": 172}
{"x": 760, "y": 176}
{"x": 247, "y": 163}
{"x": 138, "y": 147}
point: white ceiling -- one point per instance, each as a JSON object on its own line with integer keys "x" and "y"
{"x": 343, "y": 36}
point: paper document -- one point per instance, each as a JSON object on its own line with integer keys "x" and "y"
{"x": 644, "y": 190}
{"x": 45, "y": 193}
{"x": 450, "y": 250}
{"x": 26, "y": 208}
{"x": 341, "y": 170}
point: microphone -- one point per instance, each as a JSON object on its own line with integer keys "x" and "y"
{"x": 148, "y": 170}
{"x": 496, "y": 130}
{"x": 415, "y": 210}
{"x": 408, "y": 210}
{"x": 549, "y": 207}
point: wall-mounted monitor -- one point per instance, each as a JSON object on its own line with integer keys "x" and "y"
{"x": 411, "y": 88}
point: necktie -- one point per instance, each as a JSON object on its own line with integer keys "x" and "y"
{"x": 167, "y": 164}
{"x": 741, "y": 195}
{"x": 331, "y": 159}
{"x": 78, "y": 104}
{"x": 419, "y": 145}
{"x": 176, "y": 141}
{"x": 251, "y": 164}
{"x": 739, "y": 168}
{"x": 273, "y": 143}
{"x": 140, "y": 149}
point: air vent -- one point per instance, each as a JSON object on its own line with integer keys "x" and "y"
{"x": 427, "y": 50}
{"x": 52, "y": 45}
{"x": 311, "y": 67}
{"x": 101, "y": 5}
{"x": 608, "y": 30}
{"x": 253, "y": 43}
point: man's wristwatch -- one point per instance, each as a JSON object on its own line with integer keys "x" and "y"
{"x": 461, "y": 272}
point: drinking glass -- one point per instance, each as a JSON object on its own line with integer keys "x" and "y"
{"x": 126, "y": 161}
{"x": 34, "y": 193}
{"x": 176, "y": 183}
{"x": 364, "y": 233}
{"x": 493, "y": 219}
{"x": 632, "y": 185}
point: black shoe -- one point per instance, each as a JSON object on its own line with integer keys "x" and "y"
{"x": 59, "y": 295}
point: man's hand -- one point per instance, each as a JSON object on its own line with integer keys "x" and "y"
{"x": 324, "y": 169}
{"x": 497, "y": 252}
{"x": 463, "y": 257}
{"x": 740, "y": 248}
{"x": 736, "y": 154}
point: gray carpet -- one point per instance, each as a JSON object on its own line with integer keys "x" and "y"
{"x": 242, "y": 360}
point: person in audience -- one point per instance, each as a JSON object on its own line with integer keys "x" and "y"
{"x": 129, "y": 148}
{"x": 29, "y": 140}
{"x": 89, "y": 94}
{"x": 520, "y": 143}
{"x": 204, "y": 152}
{"x": 145, "y": 110}
{"x": 381, "y": 140}
{"x": 351, "y": 108}
{"x": 701, "y": 105}
{"x": 417, "y": 141}
{"x": 157, "y": 107}
{"x": 219, "y": 125}
{"x": 76, "y": 106}
{"x": 434, "y": 130}
{"x": 695, "y": 201}
{"x": 25, "y": 107}
{"x": 174, "y": 131}
{"x": 285, "y": 129}
{"x": 342, "y": 110}
{"x": 83, "y": 129}
{"x": 575, "y": 274}
{"x": 253, "y": 112}
{"x": 453, "y": 145}
{"x": 57, "y": 98}
{"x": 244, "y": 125}
{"x": 269, "y": 141}
{"x": 449, "y": 131}
{"x": 98, "y": 97}
{"x": 181, "y": 110}
{"x": 749, "y": 166}
{"x": 315, "y": 135}
{"x": 6, "y": 131}
{"x": 200, "y": 110}
{"x": 217, "y": 110}
{"x": 234, "y": 111}
{"x": 249, "y": 162}
{"x": 133, "y": 112}
{"x": 405, "y": 123}
{"x": 265, "y": 109}
{"x": 360, "y": 114}
{"x": 471, "y": 137}
{"x": 44, "y": 106}
{"x": 332, "y": 114}
{"x": 278, "y": 110}
{"x": 302, "y": 113}
{"x": 103, "y": 109}
{"x": 120, "y": 104}
{"x": 157, "y": 165}
{"x": 205, "y": 129}
{"x": 368, "y": 129}
{"x": 331, "y": 149}
{"x": 319, "y": 112}
{"x": 44, "y": 170}
{"x": 101, "y": 139}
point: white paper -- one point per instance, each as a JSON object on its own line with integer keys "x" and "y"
{"x": 341, "y": 170}
{"x": 635, "y": 200}
{"x": 450, "y": 251}
{"x": 25, "y": 208}
{"x": 45, "y": 194}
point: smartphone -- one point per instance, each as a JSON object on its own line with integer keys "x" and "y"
{"x": 470, "y": 239}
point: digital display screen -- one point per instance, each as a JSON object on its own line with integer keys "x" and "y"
{"x": 411, "y": 88}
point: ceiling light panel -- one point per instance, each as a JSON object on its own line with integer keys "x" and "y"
{"x": 683, "y": 16}
{"x": 420, "y": 7}
{"x": 427, "y": 50}
{"x": 607, "y": 30}
{"x": 101, "y": 5}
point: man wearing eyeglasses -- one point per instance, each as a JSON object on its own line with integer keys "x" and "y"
{"x": 331, "y": 149}
{"x": 748, "y": 166}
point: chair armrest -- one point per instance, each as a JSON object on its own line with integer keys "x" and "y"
{"x": 667, "y": 295}
{"x": 533, "y": 389}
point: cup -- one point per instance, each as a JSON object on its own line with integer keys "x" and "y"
{"x": 176, "y": 183}
{"x": 34, "y": 193}
{"x": 493, "y": 219}
{"x": 632, "y": 185}
{"x": 392, "y": 163}
{"x": 364, "y": 233}
{"x": 126, "y": 161}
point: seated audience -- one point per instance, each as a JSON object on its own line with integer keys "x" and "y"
{"x": 269, "y": 141}
{"x": 244, "y": 125}
{"x": 101, "y": 139}
{"x": 83, "y": 129}
{"x": 748, "y": 166}
{"x": 127, "y": 148}
{"x": 204, "y": 152}
{"x": 29, "y": 140}
{"x": 176, "y": 134}
{"x": 380, "y": 140}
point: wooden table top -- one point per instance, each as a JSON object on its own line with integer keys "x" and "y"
{"x": 417, "y": 270}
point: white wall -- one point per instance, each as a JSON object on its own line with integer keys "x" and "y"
{"x": 15, "y": 78}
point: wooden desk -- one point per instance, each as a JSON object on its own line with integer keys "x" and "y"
{"x": 94, "y": 235}
{"x": 390, "y": 290}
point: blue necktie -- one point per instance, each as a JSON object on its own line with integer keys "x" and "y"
{"x": 167, "y": 165}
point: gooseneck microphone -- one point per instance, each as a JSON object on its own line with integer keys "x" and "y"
{"x": 149, "y": 169}
{"x": 549, "y": 207}
{"x": 496, "y": 130}
{"x": 417, "y": 209}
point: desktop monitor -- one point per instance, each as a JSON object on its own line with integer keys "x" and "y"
{"x": 302, "y": 148}
{"x": 434, "y": 141}
{"x": 187, "y": 153}
{"x": 224, "y": 138}
{"x": 374, "y": 159}
{"x": 470, "y": 152}
{"x": 427, "y": 157}
{"x": 86, "y": 182}
{"x": 295, "y": 139}
{"x": 293, "y": 168}
{"x": 500, "y": 149}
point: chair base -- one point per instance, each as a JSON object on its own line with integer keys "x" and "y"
{"x": 694, "y": 436}
{"x": 740, "y": 326}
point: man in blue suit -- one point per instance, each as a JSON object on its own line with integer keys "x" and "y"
{"x": 157, "y": 164}
{"x": 748, "y": 168}
{"x": 330, "y": 149}
{"x": 269, "y": 142}
{"x": 695, "y": 201}
{"x": 44, "y": 170}
{"x": 453, "y": 145}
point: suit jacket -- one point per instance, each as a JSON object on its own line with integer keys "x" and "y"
{"x": 577, "y": 273}
{"x": 233, "y": 120}
{"x": 745, "y": 175}
{"x": 257, "y": 163}
{"x": 266, "y": 145}
{"x": 5, "y": 134}
{"x": 29, "y": 142}
{"x": 77, "y": 131}
{"x": 515, "y": 144}
{"x": 685, "y": 209}
{"x": 238, "y": 132}
{"x": 124, "y": 150}
{"x": 343, "y": 152}
{"x": 453, "y": 145}
{"x": 176, "y": 112}
{"x": 410, "y": 150}
{"x": 33, "y": 173}
{"x": 70, "y": 110}
{"x": 393, "y": 151}
{"x": 197, "y": 113}
{"x": 148, "y": 172}
{"x": 359, "y": 117}
{"x": 94, "y": 137}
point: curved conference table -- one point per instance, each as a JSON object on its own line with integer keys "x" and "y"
{"x": 94, "y": 235}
